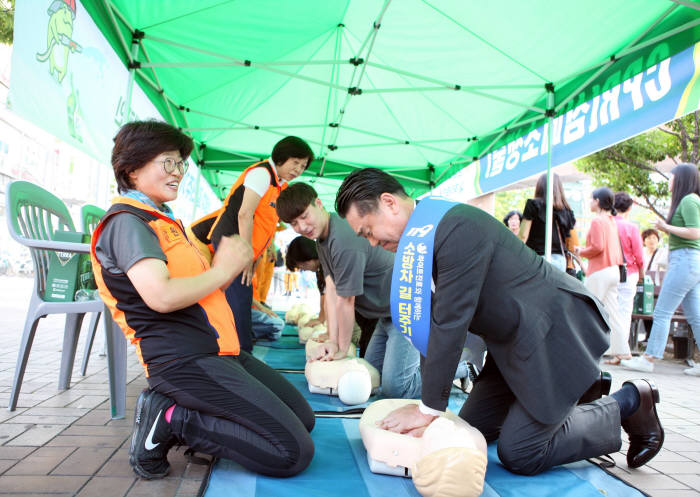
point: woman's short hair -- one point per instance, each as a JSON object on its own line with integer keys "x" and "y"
{"x": 139, "y": 142}
{"x": 623, "y": 201}
{"x": 291, "y": 146}
{"x": 650, "y": 232}
{"x": 511, "y": 214}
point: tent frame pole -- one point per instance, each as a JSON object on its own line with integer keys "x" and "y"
{"x": 612, "y": 60}
{"x": 550, "y": 186}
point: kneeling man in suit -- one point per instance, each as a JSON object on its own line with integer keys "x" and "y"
{"x": 544, "y": 332}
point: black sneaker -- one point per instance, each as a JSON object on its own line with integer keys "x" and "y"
{"x": 152, "y": 437}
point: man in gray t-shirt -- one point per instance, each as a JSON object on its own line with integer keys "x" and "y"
{"x": 358, "y": 277}
{"x": 358, "y": 269}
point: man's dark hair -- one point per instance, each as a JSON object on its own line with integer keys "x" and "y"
{"x": 294, "y": 200}
{"x": 301, "y": 249}
{"x": 363, "y": 188}
{"x": 291, "y": 146}
{"x": 139, "y": 142}
{"x": 649, "y": 232}
{"x": 623, "y": 201}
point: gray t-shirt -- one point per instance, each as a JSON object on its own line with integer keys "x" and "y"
{"x": 124, "y": 241}
{"x": 357, "y": 269}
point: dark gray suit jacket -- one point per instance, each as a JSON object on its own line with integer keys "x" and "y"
{"x": 542, "y": 328}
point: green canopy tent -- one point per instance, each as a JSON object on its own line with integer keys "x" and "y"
{"x": 419, "y": 88}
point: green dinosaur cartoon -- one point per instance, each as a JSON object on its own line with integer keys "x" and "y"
{"x": 59, "y": 42}
{"x": 73, "y": 112}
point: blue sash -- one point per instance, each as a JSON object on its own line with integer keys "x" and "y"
{"x": 413, "y": 272}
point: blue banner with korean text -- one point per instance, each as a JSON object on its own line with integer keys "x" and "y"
{"x": 665, "y": 91}
{"x": 413, "y": 271}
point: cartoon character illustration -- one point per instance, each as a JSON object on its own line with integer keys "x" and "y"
{"x": 59, "y": 42}
{"x": 73, "y": 112}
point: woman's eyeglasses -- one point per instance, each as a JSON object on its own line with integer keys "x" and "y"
{"x": 170, "y": 165}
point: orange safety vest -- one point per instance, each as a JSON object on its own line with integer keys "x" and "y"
{"x": 205, "y": 327}
{"x": 265, "y": 218}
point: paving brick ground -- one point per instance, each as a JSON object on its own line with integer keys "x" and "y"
{"x": 65, "y": 444}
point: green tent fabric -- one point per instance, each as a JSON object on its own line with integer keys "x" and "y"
{"x": 419, "y": 88}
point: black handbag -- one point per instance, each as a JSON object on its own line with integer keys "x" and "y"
{"x": 568, "y": 256}
{"x": 623, "y": 266}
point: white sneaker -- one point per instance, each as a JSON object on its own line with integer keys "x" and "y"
{"x": 638, "y": 364}
{"x": 694, "y": 371}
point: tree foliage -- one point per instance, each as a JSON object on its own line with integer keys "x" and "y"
{"x": 511, "y": 200}
{"x": 631, "y": 165}
{"x": 7, "y": 19}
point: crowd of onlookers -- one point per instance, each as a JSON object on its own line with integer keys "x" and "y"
{"x": 618, "y": 257}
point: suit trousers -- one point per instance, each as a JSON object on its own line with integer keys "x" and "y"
{"x": 528, "y": 447}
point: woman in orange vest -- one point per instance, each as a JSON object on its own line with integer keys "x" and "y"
{"x": 165, "y": 295}
{"x": 249, "y": 211}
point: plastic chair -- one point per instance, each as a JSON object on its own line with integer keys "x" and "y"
{"x": 33, "y": 214}
{"x": 90, "y": 215}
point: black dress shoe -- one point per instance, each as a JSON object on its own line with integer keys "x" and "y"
{"x": 600, "y": 387}
{"x": 643, "y": 427}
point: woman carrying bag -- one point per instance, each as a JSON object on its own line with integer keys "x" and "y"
{"x": 533, "y": 224}
{"x": 682, "y": 282}
{"x": 605, "y": 257}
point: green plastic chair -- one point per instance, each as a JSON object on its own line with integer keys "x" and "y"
{"x": 33, "y": 215}
{"x": 91, "y": 216}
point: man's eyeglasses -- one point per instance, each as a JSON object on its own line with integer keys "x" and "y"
{"x": 170, "y": 165}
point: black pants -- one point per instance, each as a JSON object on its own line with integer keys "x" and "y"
{"x": 239, "y": 408}
{"x": 367, "y": 326}
{"x": 525, "y": 445}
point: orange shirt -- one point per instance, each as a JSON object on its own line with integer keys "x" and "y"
{"x": 602, "y": 244}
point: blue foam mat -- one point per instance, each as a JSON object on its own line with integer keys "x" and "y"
{"x": 340, "y": 467}
{"x": 340, "y": 464}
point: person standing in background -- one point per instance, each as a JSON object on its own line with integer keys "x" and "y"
{"x": 682, "y": 282}
{"x": 249, "y": 210}
{"x": 513, "y": 220}
{"x": 604, "y": 259}
{"x": 631, "y": 242}
{"x": 532, "y": 227}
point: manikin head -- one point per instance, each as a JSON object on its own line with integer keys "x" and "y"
{"x": 300, "y": 207}
{"x": 375, "y": 205}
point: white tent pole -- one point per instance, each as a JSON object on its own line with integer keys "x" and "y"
{"x": 612, "y": 60}
{"x": 356, "y": 84}
{"x": 625, "y": 52}
{"x": 195, "y": 203}
{"x": 108, "y": 7}
{"x": 130, "y": 83}
{"x": 550, "y": 189}
{"x": 688, "y": 3}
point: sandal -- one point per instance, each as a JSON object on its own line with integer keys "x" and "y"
{"x": 615, "y": 360}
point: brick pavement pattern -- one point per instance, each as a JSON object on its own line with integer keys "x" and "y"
{"x": 63, "y": 443}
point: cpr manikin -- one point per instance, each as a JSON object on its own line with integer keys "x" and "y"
{"x": 295, "y": 312}
{"x": 449, "y": 460}
{"x": 353, "y": 380}
{"x": 313, "y": 344}
{"x": 307, "y": 333}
